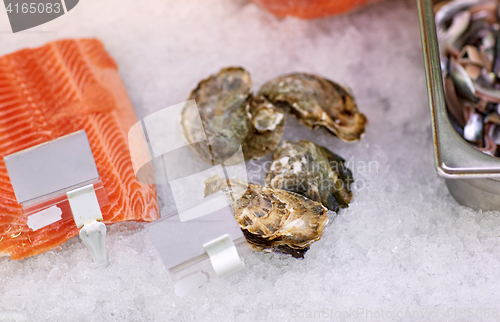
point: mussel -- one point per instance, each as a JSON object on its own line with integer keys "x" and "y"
{"x": 469, "y": 39}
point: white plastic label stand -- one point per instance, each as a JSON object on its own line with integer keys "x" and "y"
{"x": 87, "y": 213}
{"x": 224, "y": 259}
{"x": 52, "y": 169}
{"x": 224, "y": 256}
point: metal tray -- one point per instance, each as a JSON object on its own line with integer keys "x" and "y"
{"x": 472, "y": 177}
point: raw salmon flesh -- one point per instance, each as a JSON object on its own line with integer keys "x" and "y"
{"x": 310, "y": 9}
{"x": 55, "y": 90}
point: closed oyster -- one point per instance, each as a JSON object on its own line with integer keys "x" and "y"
{"x": 313, "y": 171}
{"x": 316, "y": 102}
{"x": 272, "y": 219}
{"x": 228, "y": 113}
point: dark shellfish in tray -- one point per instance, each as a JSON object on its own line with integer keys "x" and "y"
{"x": 468, "y": 33}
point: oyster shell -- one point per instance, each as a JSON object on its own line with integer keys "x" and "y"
{"x": 228, "y": 113}
{"x": 272, "y": 219}
{"x": 267, "y": 124}
{"x": 317, "y": 101}
{"x": 313, "y": 171}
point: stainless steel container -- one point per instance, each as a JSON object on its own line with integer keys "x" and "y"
{"x": 472, "y": 177}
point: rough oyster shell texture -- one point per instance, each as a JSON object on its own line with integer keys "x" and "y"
{"x": 231, "y": 117}
{"x": 313, "y": 171}
{"x": 273, "y": 219}
{"x": 267, "y": 124}
{"x": 317, "y": 101}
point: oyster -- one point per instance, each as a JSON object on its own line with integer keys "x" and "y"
{"x": 267, "y": 124}
{"x": 272, "y": 219}
{"x": 313, "y": 171}
{"x": 231, "y": 118}
{"x": 316, "y": 102}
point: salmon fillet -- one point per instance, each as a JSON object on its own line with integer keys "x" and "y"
{"x": 311, "y": 9}
{"x": 55, "y": 90}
